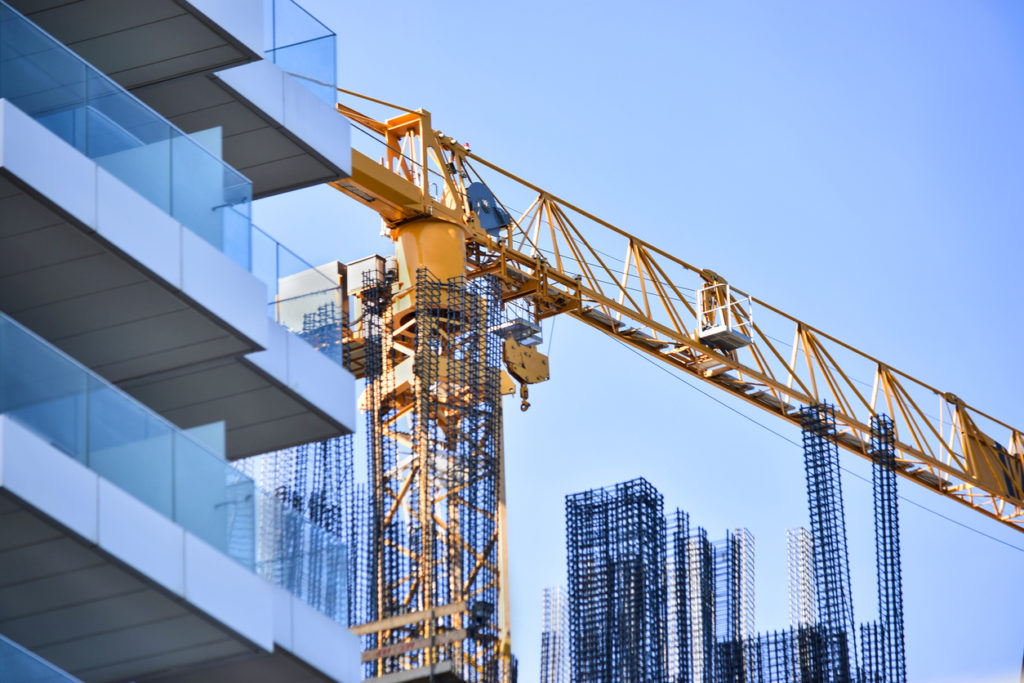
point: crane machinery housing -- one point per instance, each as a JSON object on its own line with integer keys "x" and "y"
{"x": 437, "y": 347}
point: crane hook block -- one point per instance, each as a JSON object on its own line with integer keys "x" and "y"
{"x": 489, "y": 213}
{"x": 525, "y": 363}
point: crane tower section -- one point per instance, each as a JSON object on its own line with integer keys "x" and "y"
{"x": 432, "y": 399}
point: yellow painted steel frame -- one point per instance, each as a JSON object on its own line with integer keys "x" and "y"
{"x": 942, "y": 443}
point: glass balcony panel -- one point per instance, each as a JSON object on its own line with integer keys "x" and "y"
{"x": 264, "y": 259}
{"x": 88, "y": 110}
{"x": 213, "y": 500}
{"x": 301, "y": 556}
{"x": 147, "y": 457}
{"x": 130, "y": 446}
{"x": 41, "y": 78}
{"x": 129, "y": 141}
{"x": 297, "y": 42}
{"x": 314, "y": 59}
{"x": 302, "y": 299}
{"x": 197, "y": 189}
{"x": 18, "y": 665}
{"x": 289, "y": 263}
{"x": 238, "y": 236}
{"x": 43, "y": 389}
{"x": 316, "y": 317}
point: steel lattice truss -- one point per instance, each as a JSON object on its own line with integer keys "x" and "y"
{"x": 567, "y": 260}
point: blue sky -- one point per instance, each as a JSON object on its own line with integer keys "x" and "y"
{"x": 856, "y": 164}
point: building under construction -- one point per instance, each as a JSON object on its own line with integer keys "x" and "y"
{"x": 624, "y": 561}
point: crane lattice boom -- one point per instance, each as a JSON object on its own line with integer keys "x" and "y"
{"x": 557, "y": 258}
{"x": 646, "y": 299}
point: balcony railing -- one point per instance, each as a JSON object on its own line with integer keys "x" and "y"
{"x": 297, "y": 42}
{"x": 18, "y": 664}
{"x": 127, "y": 444}
{"x": 100, "y": 119}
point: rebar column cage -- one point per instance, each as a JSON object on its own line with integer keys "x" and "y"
{"x": 796, "y": 655}
{"x": 803, "y": 601}
{"x": 617, "y": 587}
{"x": 734, "y": 602}
{"x": 828, "y": 532}
{"x": 433, "y": 411}
{"x": 889, "y": 642}
{"x": 554, "y": 652}
{"x": 680, "y": 647}
{"x": 701, "y": 581}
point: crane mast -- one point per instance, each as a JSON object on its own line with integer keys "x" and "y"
{"x": 460, "y": 257}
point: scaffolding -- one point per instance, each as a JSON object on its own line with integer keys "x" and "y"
{"x": 617, "y": 586}
{"x": 433, "y": 413}
{"x": 554, "y": 654}
{"x": 803, "y": 600}
{"x": 828, "y": 532}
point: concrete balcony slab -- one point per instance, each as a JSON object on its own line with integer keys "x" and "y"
{"x": 137, "y": 43}
{"x": 275, "y": 132}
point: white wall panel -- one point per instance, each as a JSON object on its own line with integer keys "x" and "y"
{"x": 31, "y": 152}
{"x": 229, "y": 592}
{"x": 223, "y": 287}
{"x": 141, "y": 537}
{"x": 38, "y": 473}
{"x": 324, "y": 643}
{"x": 321, "y": 381}
{"x": 135, "y": 226}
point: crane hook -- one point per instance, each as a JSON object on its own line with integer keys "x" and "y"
{"x": 523, "y": 394}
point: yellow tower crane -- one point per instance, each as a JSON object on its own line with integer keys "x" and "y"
{"x": 450, "y": 231}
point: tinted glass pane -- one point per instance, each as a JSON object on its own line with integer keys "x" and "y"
{"x": 42, "y": 389}
{"x": 212, "y": 499}
{"x": 130, "y": 446}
